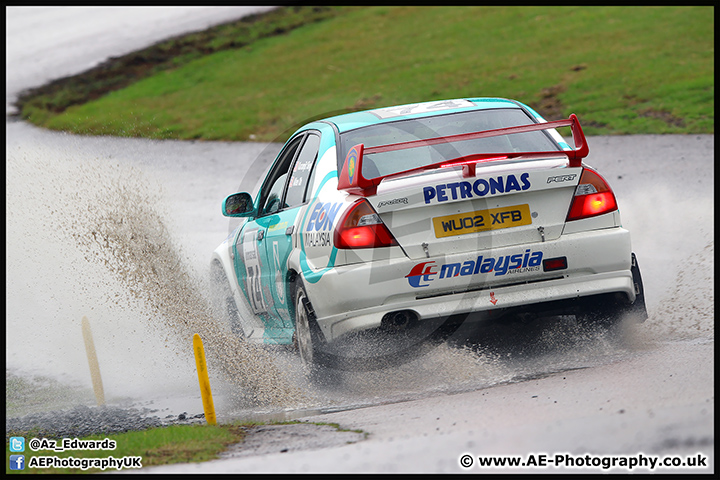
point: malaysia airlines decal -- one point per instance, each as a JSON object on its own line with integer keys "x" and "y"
{"x": 424, "y": 273}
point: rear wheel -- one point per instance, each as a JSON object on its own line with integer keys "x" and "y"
{"x": 638, "y": 310}
{"x": 308, "y": 336}
{"x": 612, "y": 309}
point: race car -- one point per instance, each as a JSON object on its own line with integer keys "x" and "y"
{"x": 388, "y": 219}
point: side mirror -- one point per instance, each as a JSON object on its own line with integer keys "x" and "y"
{"x": 238, "y": 205}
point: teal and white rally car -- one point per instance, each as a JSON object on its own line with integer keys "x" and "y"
{"x": 385, "y": 219}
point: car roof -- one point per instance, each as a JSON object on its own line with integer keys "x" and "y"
{"x": 351, "y": 121}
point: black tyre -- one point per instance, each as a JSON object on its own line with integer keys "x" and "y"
{"x": 637, "y": 311}
{"x": 308, "y": 337}
{"x": 612, "y": 309}
{"x": 224, "y": 301}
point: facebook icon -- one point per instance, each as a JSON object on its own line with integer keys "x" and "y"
{"x": 17, "y": 462}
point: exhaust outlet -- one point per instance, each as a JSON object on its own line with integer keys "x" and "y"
{"x": 398, "y": 321}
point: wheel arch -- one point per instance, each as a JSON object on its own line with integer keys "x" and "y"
{"x": 292, "y": 277}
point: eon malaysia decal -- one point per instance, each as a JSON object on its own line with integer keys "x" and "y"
{"x": 318, "y": 231}
{"x": 479, "y": 188}
{"x": 424, "y": 273}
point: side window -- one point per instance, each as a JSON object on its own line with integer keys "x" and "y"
{"x": 300, "y": 175}
{"x": 271, "y": 196}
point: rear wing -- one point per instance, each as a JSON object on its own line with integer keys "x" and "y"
{"x": 352, "y": 180}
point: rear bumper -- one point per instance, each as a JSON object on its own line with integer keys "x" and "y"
{"x": 353, "y": 298}
{"x": 527, "y": 295}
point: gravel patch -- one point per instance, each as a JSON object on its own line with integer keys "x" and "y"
{"x": 82, "y": 421}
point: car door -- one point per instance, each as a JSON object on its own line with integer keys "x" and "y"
{"x": 249, "y": 249}
{"x": 266, "y": 241}
{"x": 282, "y": 223}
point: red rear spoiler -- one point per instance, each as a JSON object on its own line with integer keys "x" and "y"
{"x": 352, "y": 180}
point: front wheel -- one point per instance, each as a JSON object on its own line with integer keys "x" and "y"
{"x": 224, "y": 301}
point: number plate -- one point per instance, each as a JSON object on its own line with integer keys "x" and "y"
{"x": 482, "y": 220}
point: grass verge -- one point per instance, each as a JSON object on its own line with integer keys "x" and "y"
{"x": 623, "y": 70}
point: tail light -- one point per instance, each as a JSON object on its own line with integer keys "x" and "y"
{"x": 361, "y": 227}
{"x": 593, "y": 196}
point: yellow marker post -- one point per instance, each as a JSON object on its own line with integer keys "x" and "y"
{"x": 93, "y": 361}
{"x": 205, "y": 392}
